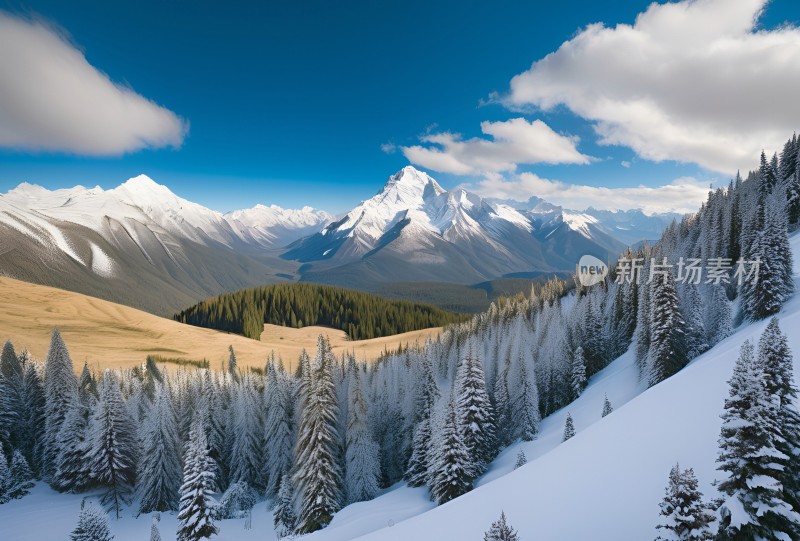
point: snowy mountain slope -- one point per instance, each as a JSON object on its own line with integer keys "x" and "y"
{"x": 563, "y": 493}
{"x": 415, "y": 230}
{"x": 139, "y": 244}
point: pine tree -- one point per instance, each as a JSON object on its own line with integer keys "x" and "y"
{"x": 11, "y": 399}
{"x": 502, "y": 407}
{"x": 475, "y": 415}
{"x": 607, "y": 406}
{"x": 578, "y": 372}
{"x": 451, "y": 467}
{"x": 569, "y": 428}
{"x": 8, "y": 415}
{"x": 285, "y": 519}
{"x": 521, "y": 459}
{"x": 160, "y": 466}
{"x": 667, "y": 353}
{"x": 685, "y": 517}
{"x": 776, "y": 360}
{"x": 246, "y": 459}
{"x": 232, "y": 364}
{"x": 196, "y": 508}
{"x": 92, "y": 525}
{"x": 112, "y": 442}
{"x": 362, "y": 464}
{"x": 317, "y": 479}
{"x": 21, "y": 476}
{"x": 696, "y": 334}
{"x": 755, "y": 506}
{"x": 32, "y": 424}
{"x": 73, "y": 469}
{"x": 419, "y": 463}
{"x": 718, "y": 318}
{"x": 278, "y": 433}
{"x": 60, "y": 392}
{"x": 155, "y": 535}
{"x": 501, "y": 531}
{"x": 5, "y": 479}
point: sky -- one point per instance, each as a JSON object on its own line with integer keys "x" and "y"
{"x": 600, "y": 103}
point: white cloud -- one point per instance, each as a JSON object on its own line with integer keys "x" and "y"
{"x": 512, "y": 142}
{"x": 682, "y": 195}
{"x": 693, "y": 81}
{"x": 52, "y": 99}
{"x": 388, "y": 148}
{"x": 626, "y": 164}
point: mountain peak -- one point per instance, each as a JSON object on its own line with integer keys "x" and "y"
{"x": 411, "y": 184}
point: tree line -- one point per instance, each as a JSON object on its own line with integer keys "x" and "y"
{"x": 361, "y": 315}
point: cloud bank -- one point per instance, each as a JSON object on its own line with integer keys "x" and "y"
{"x": 52, "y": 99}
{"x": 512, "y": 142}
{"x": 693, "y": 81}
{"x": 682, "y": 195}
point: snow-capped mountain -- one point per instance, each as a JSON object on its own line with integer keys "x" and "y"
{"x": 171, "y": 251}
{"x": 413, "y": 229}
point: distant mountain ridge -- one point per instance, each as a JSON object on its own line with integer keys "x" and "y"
{"x": 142, "y": 245}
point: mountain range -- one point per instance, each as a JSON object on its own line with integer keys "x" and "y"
{"x": 142, "y": 245}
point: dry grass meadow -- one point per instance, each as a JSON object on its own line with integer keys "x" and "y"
{"x": 109, "y": 335}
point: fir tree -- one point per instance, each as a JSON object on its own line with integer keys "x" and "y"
{"x": 362, "y": 465}
{"x": 246, "y": 459}
{"x": 685, "y": 517}
{"x": 5, "y": 479}
{"x": 232, "y": 364}
{"x": 21, "y": 476}
{"x": 73, "y": 470}
{"x": 501, "y": 531}
{"x": 667, "y": 353}
{"x": 92, "y": 525}
{"x": 11, "y": 399}
{"x": 696, "y": 334}
{"x": 718, "y": 318}
{"x": 112, "y": 445}
{"x": 475, "y": 415}
{"x": 278, "y": 434}
{"x": 755, "y": 505}
{"x": 60, "y": 392}
{"x": 606, "y": 406}
{"x": 451, "y": 467}
{"x": 285, "y": 519}
{"x": 196, "y": 509}
{"x": 317, "y": 478}
{"x": 502, "y": 407}
{"x": 578, "y": 372}
{"x": 521, "y": 459}
{"x": 160, "y": 466}
{"x": 32, "y": 424}
{"x": 569, "y": 428}
{"x": 419, "y": 463}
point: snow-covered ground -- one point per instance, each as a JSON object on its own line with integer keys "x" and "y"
{"x": 603, "y": 484}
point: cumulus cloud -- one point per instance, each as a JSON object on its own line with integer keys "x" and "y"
{"x": 52, "y": 99}
{"x": 693, "y": 81}
{"x": 512, "y": 142}
{"x": 681, "y": 195}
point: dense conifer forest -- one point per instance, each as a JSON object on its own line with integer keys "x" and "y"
{"x": 361, "y": 315}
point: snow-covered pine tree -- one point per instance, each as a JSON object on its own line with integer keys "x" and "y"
{"x": 160, "y": 465}
{"x": 419, "y": 463}
{"x": 60, "y": 392}
{"x": 92, "y": 525}
{"x": 667, "y": 354}
{"x": 501, "y": 531}
{"x": 362, "y": 464}
{"x": 284, "y": 517}
{"x": 569, "y": 428}
{"x": 21, "y": 476}
{"x": 246, "y": 458}
{"x": 278, "y": 432}
{"x": 685, "y": 516}
{"x": 5, "y": 479}
{"x": 578, "y": 372}
{"x": 696, "y": 334}
{"x": 451, "y": 466}
{"x": 525, "y": 407}
{"x": 475, "y": 415}
{"x": 31, "y": 425}
{"x": 11, "y": 399}
{"x": 521, "y": 459}
{"x": 112, "y": 445}
{"x": 607, "y": 408}
{"x": 502, "y": 406}
{"x": 155, "y": 535}
{"x": 8, "y": 415}
{"x": 196, "y": 508}
{"x": 776, "y": 359}
{"x": 426, "y": 389}
{"x": 718, "y": 316}
{"x": 755, "y": 506}
{"x": 317, "y": 479}
{"x": 73, "y": 470}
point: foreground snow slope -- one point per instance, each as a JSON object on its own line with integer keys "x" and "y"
{"x": 607, "y": 481}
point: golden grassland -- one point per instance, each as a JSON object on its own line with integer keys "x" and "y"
{"x": 109, "y": 335}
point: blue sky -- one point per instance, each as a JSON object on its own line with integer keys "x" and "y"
{"x": 292, "y": 102}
